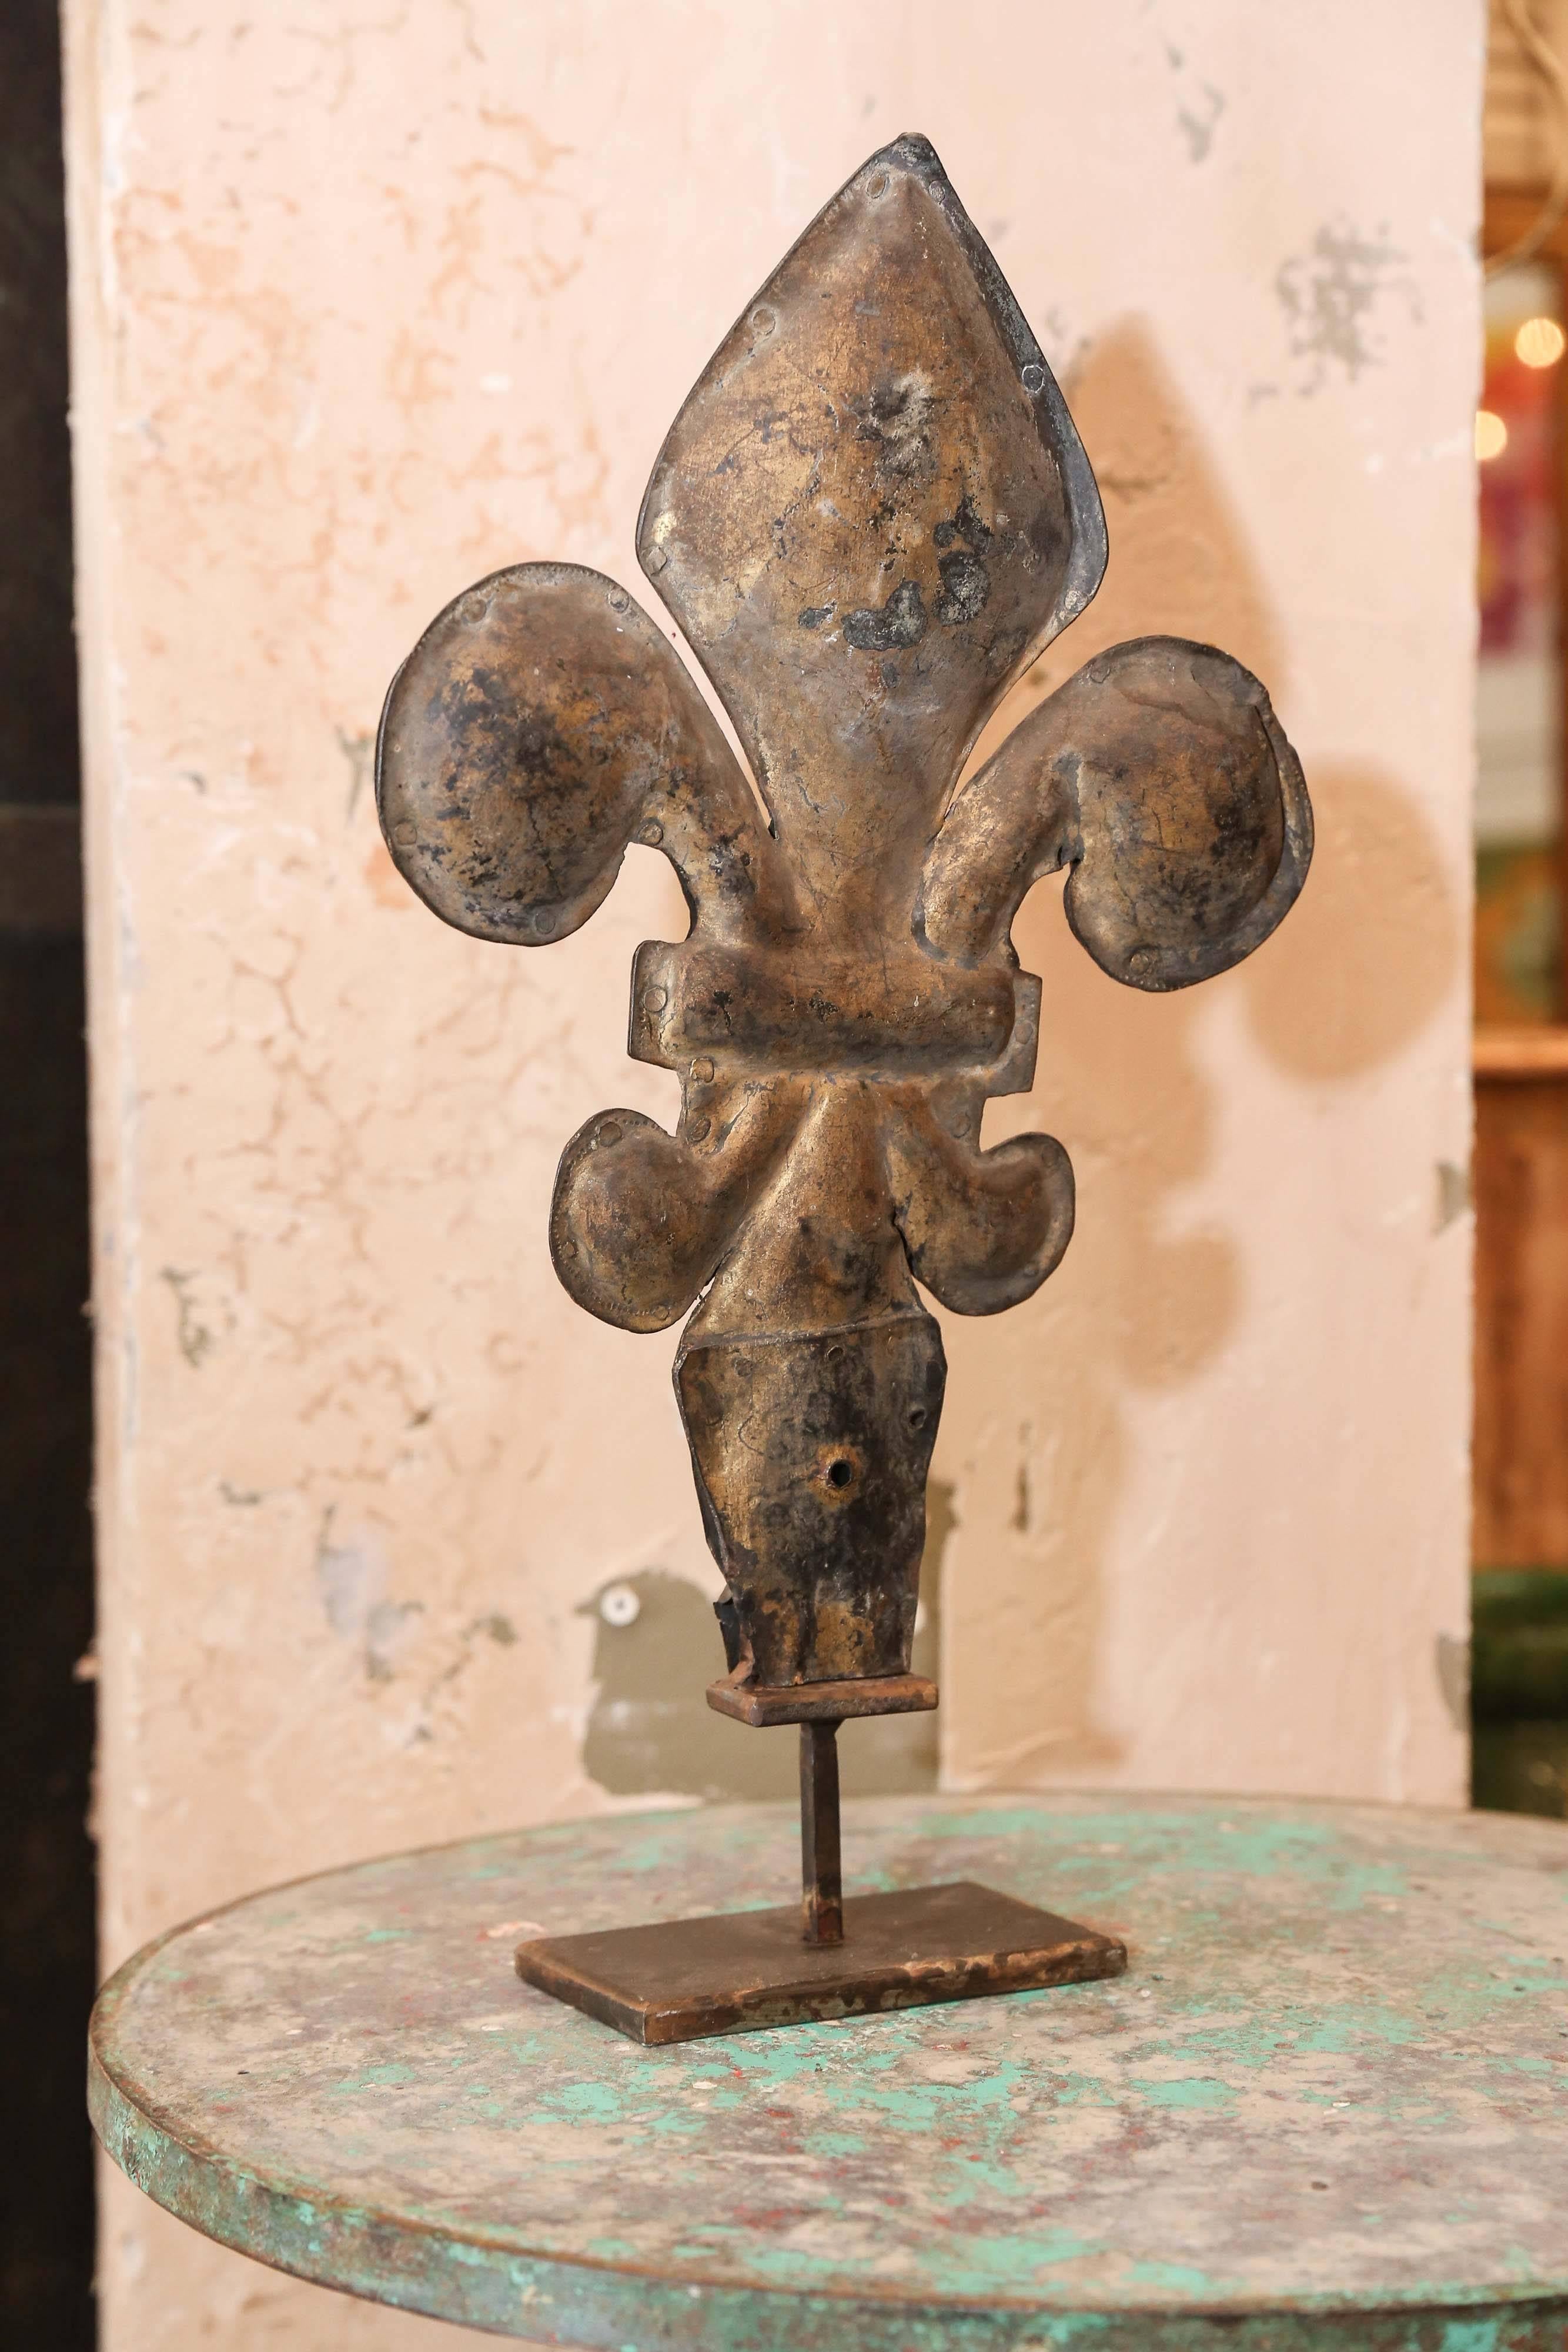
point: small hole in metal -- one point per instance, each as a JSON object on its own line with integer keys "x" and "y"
{"x": 1033, "y": 378}
{"x": 917, "y": 1416}
{"x": 840, "y": 1472}
{"x": 877, "y": 188}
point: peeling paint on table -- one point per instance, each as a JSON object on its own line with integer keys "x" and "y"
{"x": 1324, "y": 2107}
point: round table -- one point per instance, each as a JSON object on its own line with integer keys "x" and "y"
{"x": 1326, "y": 2105}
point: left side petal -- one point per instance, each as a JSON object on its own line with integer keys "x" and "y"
{"x": 540, "y": 725}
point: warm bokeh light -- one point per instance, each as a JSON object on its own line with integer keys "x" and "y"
{"x": 1492, "y": 435}
{"x": 1540, "y": 342}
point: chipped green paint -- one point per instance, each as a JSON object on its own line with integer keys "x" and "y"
{"x": 1320, "y": 2113}
{"x": 1185, "y": 2091}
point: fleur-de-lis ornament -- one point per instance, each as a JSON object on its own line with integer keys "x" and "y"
{"x": 870, "y": 516}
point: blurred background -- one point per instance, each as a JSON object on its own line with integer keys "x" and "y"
{"x": 641, "y": 1621}
{"x": 1519, "y": 1535}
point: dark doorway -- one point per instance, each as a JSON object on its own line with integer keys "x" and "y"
{"x": 47, "y": 1961}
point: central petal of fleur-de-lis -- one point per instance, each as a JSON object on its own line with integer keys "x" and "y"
{"x": 871, "y": 515}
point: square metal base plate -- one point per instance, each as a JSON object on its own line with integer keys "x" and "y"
{"x": 754, "y": 1703}
{"x": 736, "y": 1971}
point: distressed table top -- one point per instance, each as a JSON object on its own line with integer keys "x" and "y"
{"x": 1325, "y": 2106}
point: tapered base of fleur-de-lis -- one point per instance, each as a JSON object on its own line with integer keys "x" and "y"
{"x": 870, "y": 514}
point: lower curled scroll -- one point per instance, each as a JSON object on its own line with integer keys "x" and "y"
{"x": 641, "y": 1219}
{"x": 635, "y": 1230}
{"x": 982, "y": 1229}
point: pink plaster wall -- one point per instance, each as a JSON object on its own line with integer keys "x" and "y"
{"x": 370, "y": 300}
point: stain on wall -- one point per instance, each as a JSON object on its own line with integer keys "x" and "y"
{"x": 1336, "y": 298}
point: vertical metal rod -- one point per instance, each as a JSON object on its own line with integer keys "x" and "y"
{"x": 822, "y": 1902}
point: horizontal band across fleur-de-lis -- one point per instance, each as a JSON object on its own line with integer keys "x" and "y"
{"x": 871, "y": 513}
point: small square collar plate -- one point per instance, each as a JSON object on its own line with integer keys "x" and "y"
{"x": 738, "y": 1971}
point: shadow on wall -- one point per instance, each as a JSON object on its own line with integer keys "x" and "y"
{"x": 655, "y": 1648}
{"x": 1361, "y": 965}
{"x": 1363, "y": 962}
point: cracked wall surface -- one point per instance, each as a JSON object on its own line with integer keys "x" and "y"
{"x": 367, "y": 303}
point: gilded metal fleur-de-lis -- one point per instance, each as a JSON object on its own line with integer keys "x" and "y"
{"x": 871, "y": 515}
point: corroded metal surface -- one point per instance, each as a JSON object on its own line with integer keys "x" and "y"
{"x": 870, "y": 514}
{"x": 1323, "y": 2108}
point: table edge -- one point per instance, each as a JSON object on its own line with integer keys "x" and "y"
{"x": 607, "y": 2306}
